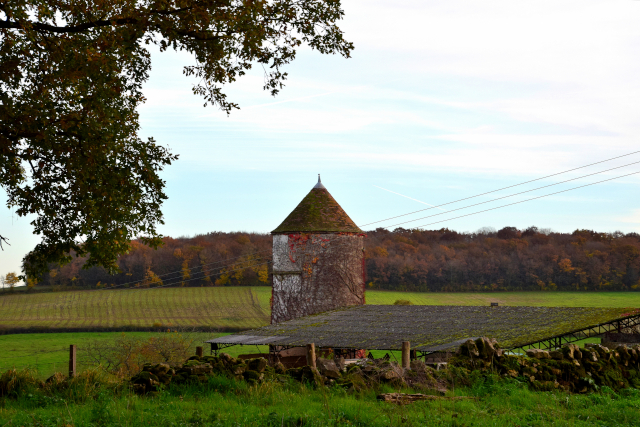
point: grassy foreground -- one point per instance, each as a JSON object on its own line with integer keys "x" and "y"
{"x": 226, "y": 402}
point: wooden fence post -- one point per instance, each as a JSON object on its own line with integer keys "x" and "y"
{"x": 72, "y": 360}
{"x": 311, "y": 355}
{"x": 406, "y": 351}
{"x": 199, "y": 351}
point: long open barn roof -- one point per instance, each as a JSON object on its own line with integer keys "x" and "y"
{"x": 428, "y": 328}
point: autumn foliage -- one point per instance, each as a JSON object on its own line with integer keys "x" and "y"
{"x": 214, "y": 259}
{"x": 508, "y": 259}
{"x": 410, "y": 260}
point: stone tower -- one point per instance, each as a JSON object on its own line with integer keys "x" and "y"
{"x": 318, "y": 259}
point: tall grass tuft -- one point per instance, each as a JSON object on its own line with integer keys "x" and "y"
{"x": 15, "y": 382}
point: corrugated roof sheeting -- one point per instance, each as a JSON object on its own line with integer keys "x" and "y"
{"x": 428, "y": 328}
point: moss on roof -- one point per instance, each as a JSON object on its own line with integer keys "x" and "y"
{"x": 428, "y": 327}
{"x": 318, "y": 212}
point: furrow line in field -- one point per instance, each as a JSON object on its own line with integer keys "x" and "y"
{"x": 86, "y": 307}
{"x": 192, "y": 307}
{"x": 68, "y": 314}
{"x": 174, "y": 309}
{"x": 252, "y": 308}
{"x": 161, "y": 303}
{"x": 211, "y": 306}
{"x": 137, "y": 301}
{"x": 7, "y": 312}
{"x": 258, "y": 305}
{"x": 121, "y": 314}
{"x": 165, "y": 305}
{"x": 178, "y": 306}
{"x": 150, "y": 309}
{"x": 99, "y": 310}
{"x": 203, "y": 306}
{"x": 110, "y": 309}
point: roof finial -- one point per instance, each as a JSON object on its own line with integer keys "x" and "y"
{"x": 319, "y": 184}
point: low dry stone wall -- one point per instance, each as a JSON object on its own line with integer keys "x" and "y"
{"x": 328, "y": 372}
{"x": 569, "y": 368}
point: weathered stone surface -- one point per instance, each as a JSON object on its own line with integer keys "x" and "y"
{"x": 538, "y": 353}
{"x": 312, "y": 375}
{"x": 469, "y": 348}
{"x": 486, "y": 350}
{"x": 390, "y": 374}
{"x": 325, "y": 365}
{"x": 331, "y": 374}
{"x": 590, "y": 355}
{"x": 198, "y": 369}
{"x": 418, "y": 365}
{"x": 239, "y": 369}
{"x": 623, "y": 351}
{"x": 161, "y": 368}
{"x": 571, "y": 352}
{"x": 279, "y": 368}
{"x": 556, "y": 354}
{"x": 258, "y": 364}
{"x": 253, "y": 376}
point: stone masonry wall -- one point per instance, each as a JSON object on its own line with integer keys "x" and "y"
{"x": 313, "y": 273}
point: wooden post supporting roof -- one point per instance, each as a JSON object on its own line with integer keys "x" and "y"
{"x": 406, "y": 352}
{"x": 311, "y": 355}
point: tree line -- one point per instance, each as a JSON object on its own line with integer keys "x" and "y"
{"x": 504, "y": 260}
{"x": 408, "y": 260}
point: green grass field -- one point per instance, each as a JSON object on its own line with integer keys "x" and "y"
{"x": 49, "y": 352}
{"x": 536, "y": 299}
{"x": 239, "y": 308}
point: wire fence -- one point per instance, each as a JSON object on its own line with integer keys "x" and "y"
{"x": 73, "y": 359}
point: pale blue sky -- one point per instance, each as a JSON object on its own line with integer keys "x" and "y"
{"x": 441, "y": 100}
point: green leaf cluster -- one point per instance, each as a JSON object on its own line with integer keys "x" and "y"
{"x": 71, "y": 83}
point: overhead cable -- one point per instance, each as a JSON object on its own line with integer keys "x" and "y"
{"x": 514, "y": 194}
{"x": 503, "y": 188}
{"x": 196, "y": 278}
{"x": 527, "y": 200}
{"x": 192, "y": 268}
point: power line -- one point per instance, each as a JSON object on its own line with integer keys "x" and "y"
{"x": 500, "y": 189}
{"x": 197, "y": 278}
{"x": 514, "y": 194}
{"x": 169, "y": 284}
{"x": 527, "y": 200}
{"x": 190, "y": 270}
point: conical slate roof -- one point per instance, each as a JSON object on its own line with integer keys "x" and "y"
{"x": 318, "y": 212}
